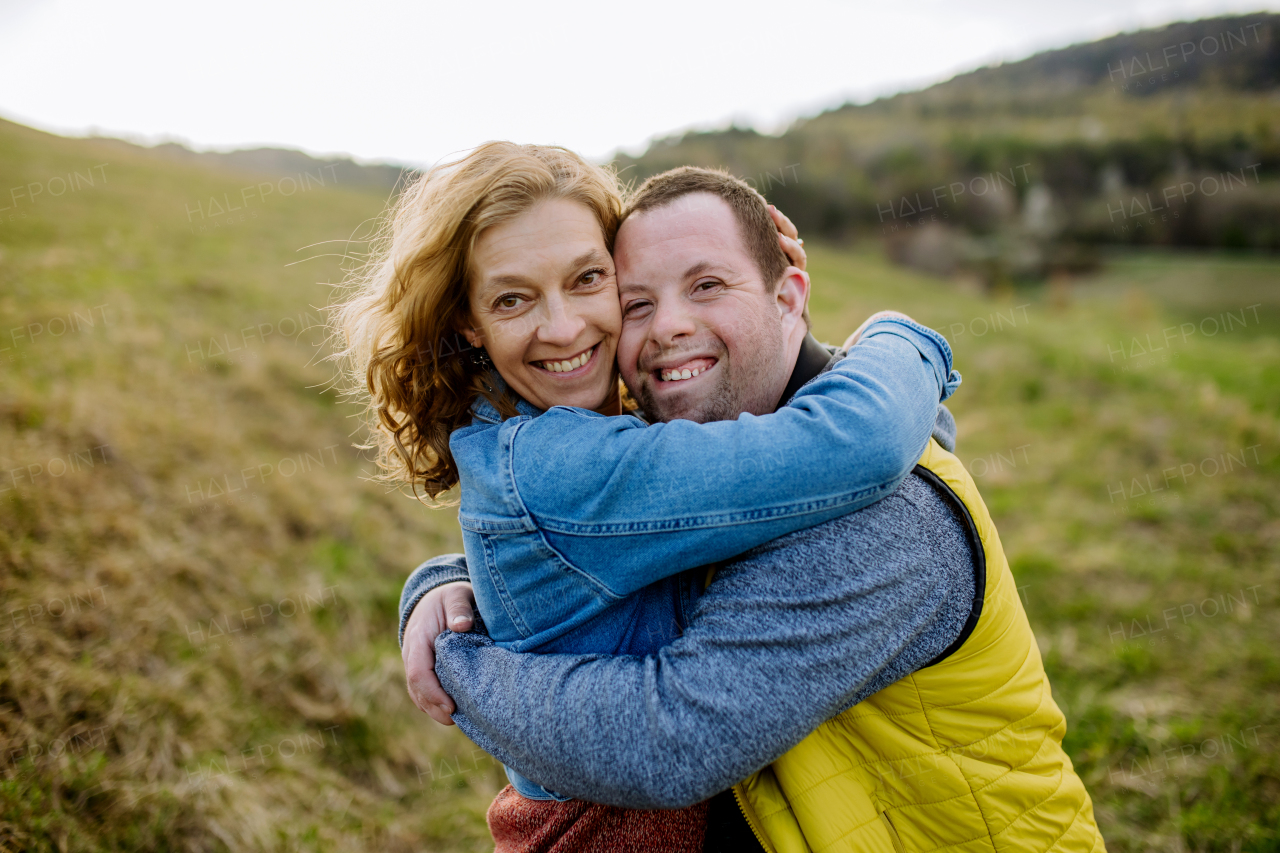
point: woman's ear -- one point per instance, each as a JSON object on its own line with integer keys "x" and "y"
{"x": 473, "y": 336}
{"x": 469, "y": 331}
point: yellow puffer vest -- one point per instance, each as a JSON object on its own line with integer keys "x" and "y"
{"x": 963, "y": 755}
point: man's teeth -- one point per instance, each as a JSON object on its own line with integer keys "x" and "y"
{"x": 677, "y": 375}
{"x": 572, "y": 364}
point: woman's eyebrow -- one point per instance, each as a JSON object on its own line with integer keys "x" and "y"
{"x": 508, "y": 280}
{"x": 591, "y": 256}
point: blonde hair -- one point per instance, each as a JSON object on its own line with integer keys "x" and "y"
{"x": 399, "y": 323}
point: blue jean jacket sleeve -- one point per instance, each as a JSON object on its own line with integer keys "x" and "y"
{"x": 435, "y": 572}
{"x": 453, "y": 567}
{"x": 780, "y": 642}
{"x": 648, "y": 502}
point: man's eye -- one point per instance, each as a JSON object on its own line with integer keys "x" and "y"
{"x": 634, "y": 308}
{"x": 705, "y": 285}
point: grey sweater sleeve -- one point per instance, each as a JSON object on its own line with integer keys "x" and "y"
{"x": 786, "y": 637}
{"x": 435, "y": 572}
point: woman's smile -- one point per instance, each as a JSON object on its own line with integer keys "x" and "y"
{"x": 571, "y": 368}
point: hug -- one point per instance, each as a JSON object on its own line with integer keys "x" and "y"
{"x": 732, "y": 589}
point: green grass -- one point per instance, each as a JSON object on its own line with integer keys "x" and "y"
{"x": 1056, "y": 423}
{"x": 125, "y": 724}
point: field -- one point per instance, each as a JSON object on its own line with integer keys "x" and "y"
{"x": 197, "y": 646}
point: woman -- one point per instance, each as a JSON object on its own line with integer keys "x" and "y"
{"x": 511, "y": 247}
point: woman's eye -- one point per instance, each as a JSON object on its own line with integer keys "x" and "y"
{"x": 592, "y": 277}
{"x": 508, "y": 302}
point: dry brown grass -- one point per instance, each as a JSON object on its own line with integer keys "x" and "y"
{"x": 123, "y": 723}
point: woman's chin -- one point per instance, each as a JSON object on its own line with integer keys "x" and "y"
{"x": 592, "y": 395}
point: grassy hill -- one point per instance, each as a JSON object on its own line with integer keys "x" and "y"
{"x": 225, "y": 674}
{"x": 197, "y": 648}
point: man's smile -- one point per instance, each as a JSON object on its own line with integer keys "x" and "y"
{"x": 684, "y": 370}
{"x": 687, "y": 370}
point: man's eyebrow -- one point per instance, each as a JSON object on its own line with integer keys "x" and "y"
{"x": 692, "y": 272}
{"x": 706, "y": 266}
{"x": 634, "y": 287}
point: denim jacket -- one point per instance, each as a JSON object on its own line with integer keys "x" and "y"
{"x": 567, "y": 513}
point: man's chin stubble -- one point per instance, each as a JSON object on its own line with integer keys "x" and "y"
{"x": 718, "y": 404}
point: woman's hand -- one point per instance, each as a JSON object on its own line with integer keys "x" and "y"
{"x": 450, "y": 606}
{"x": 879, "y": 315}
{"x": 789, "y": 238}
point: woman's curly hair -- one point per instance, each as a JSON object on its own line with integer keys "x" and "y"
{"x": 399, "y": 320}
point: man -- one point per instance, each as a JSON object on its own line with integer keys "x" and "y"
{"x": 873, "y": 679}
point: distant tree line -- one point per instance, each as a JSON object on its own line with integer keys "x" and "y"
{"x": 975, "y": 172}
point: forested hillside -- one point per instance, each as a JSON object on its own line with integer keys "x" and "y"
{"x": 1162, "y": 137}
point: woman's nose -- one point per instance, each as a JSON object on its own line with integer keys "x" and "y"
{"x": 561, "y": 325}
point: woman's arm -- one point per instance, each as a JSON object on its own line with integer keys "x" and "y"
{"x": 437, "y": 596}
{"x": 447, "y": 568}
{"x": 629, "y": 504}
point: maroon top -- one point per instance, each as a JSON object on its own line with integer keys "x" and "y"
{"x": 521, "y": 825}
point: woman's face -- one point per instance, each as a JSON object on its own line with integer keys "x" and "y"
{"x": 544, "y": 303}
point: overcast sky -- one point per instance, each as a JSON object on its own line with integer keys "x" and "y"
{"x": 413, "y": 82}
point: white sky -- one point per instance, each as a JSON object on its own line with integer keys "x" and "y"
{"x": 413, "y": 82}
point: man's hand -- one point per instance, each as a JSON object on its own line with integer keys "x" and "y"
{"x": 450, "y": 606}
{"x": 789, "y": 238}
{"x": 879, "y": 315}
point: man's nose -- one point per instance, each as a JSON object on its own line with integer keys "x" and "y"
{"x": 671, "y": 321}
{"x": 560, "y": 325}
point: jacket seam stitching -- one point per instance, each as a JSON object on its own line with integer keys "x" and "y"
{"x": 945, "y": 751}
{"x": 598, "y": 586}
{"x": 566, "y": 527}
{"x": 986, "y": 822}
{"x": 504, "y": 594}
{"x": 845, "y": 835}
{"x": 1062, "y": 778}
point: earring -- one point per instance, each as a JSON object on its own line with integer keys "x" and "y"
{"x": 480, "y": 358}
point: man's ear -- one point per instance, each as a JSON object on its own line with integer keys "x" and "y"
{"x": 793, "y": 296}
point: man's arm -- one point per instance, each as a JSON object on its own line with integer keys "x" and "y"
{"x": 782, "y": 640}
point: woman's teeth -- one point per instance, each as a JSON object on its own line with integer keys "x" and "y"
{"x": 565, "y": 366}
{"x": 677, "y": 375}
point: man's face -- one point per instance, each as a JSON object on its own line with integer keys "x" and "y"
{"x": 702, "y": 337}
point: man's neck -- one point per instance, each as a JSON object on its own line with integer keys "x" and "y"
{"x": 810, "y": 361}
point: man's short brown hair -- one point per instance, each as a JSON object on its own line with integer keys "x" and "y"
{"x": 759, "y": 234}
